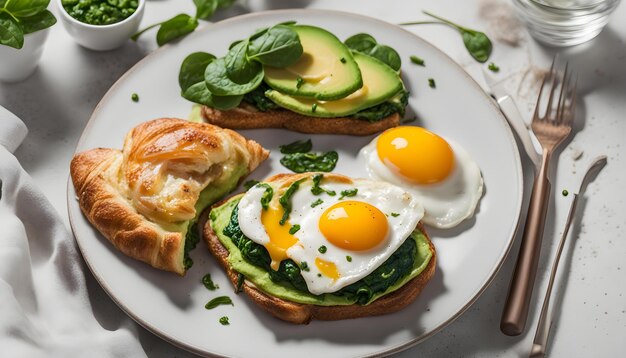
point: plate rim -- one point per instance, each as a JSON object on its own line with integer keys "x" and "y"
{"x": 396, "y": 349}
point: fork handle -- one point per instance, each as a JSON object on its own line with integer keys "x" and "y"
{"x": 517, "y": 303}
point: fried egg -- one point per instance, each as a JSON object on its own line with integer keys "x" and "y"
{"x": 439, "y": 172}
{"x": 335, "y": 239}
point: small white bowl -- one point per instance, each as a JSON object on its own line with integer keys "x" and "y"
{"x": 102, "y": 37}
{"x": 19, "y": 64}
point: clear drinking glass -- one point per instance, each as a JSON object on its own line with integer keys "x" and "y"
{"x": 565, "y": 22}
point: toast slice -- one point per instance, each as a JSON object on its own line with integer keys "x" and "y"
{"x": 303, "y": 313}
{"x": 246, "y": 116}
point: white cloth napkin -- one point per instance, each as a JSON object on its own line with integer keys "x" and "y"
{"x": 44, "y": 305}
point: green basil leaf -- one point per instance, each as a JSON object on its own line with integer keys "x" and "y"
{"x": 192, "y": 69}
{"x": 37, "y": 22}
{"x": 278, "y": 47}
{"x": 310, "y": 162}
{"x": 25, "y": 8}
{"x": 205, "y": 8}
{"x": 299, "y": 146}
{"x": 11, "y": 33}
{"x": 368, "y": 45}
{"x": 478, "y": 44}
{"x": 176, "y": 27}
{"x": 221, "y": 300}
{"x": 238, "y": 68}
{"x": 199, "y": 93}
{"x": 218, "y": 83}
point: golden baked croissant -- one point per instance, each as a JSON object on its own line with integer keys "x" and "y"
{"x": 145, "y": 198}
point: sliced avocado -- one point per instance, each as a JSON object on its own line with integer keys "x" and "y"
{"x": 380, "y": 82}
{"x": 325, "y": 71}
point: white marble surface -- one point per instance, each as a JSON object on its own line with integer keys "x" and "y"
{"x": 57, "y": 100}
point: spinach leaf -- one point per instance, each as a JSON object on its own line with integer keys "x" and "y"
{"x": 176, "y": 27}
{"x": 192, "y": 69}
{"x": 397, "y": 104}
{"x": 205, "y": 8}
{"x": 299, "y": 146}
{"x": 221, "y": 300}
{"x": 267, "y": 195}
{"x": 26, "y": 8}
{"x": 37, "y": 22}
{"x": 238, "y": 68}
{"x": 208, "y": 283}
{"x": 191, "y": 240}
{"x": 477, "y": 43}
{"x": 258, "y": 99}
{"x": 285, "y": 199}
{"x": 310, "y": 162}
{"x": 199, "y": 93}
{"x": 368, "y": 45}
{"x": 218, "y": 82}
{"x": 316, "y": 189}
{"x": 11, "y": 33}
{"x": 279, "y": 46}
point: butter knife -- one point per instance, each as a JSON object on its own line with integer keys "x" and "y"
{"x": 540, "y": 342}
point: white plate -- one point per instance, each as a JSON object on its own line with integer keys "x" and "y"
{"x": 468, "y": 256}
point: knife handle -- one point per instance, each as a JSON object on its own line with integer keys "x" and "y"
{"x": 518, "y": 300}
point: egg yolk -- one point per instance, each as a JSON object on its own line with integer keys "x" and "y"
{"x": 327, "y": 268}
{"x": 416, "y": 154}
{"x": 280, "y": 238}
{"x": 354, "y": 225}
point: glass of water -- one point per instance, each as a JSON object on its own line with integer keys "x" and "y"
{"x": 565, "y": 22}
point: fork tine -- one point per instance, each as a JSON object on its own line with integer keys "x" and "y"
{"x": 572, "y": 105}
{"x": 552, "y": 90}
{"x": 543, "y": 84}
{"x": 560, "y": 109}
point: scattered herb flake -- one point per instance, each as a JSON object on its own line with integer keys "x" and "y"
{"x": 224, "y": 321}
{"x": 240, "y": 280}
{"x": 299, "y": 82}
{"x": 316, "y": 189}
{"x": 221, "y": 300}
{"x": 317, "y": 202}
{"x": 565, "y": 192}
{"x": 314, "y": 107}
{"x": 267, "y": 195}
{"x": 135, "y": 97}
{"x": 431, "y": 83}
{"x": 285, "y": 200}
{"x": 208, "y": 283}
{"x": 348, "y": 193}
{"x": 322, "y": 249}
{"x": 294, "y": 229}
{"x": 343, "y": 60}
{"x": 319, "y": 275}
{"x": 418, "y": 61}
{"x": 349, "y": 258}
{"x": 493, "y": 67}
{"x": 304, "y": 266}
{"x": 395, "y": 215}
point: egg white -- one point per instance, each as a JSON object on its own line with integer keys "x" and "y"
{"x": 386, "y": 197}
{"x": 447, "y": 203}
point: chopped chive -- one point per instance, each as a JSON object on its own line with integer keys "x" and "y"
{"x": 224, "y": 321}
{"x": 431, "y": 83}
{"x": 493, "y": 67}
{"x": 317, "y": 202}
{"x": 395, "y": 215}
{"x": 348, "y": 193}
{"x": 322, "y": 249}
{"x": 221, "y": 300}
{"x": 135, "y": 97}
{"x": 294, "y": 229}
{"x": 418, "y": 61}
{"x": 299, "y": 82}
{"x": 313, "y": 107}
{"x": 349, "y": 258}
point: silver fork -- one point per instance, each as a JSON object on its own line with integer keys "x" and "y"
{"x": 550, "y": 129}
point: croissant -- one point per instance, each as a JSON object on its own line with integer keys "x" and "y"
{"x": 146, "y": 198}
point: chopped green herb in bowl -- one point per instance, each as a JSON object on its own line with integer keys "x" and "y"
{"x": 100, "y": 12}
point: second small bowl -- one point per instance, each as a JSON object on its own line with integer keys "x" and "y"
{"x": 102, "y": 37}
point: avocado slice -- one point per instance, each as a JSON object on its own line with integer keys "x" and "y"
{"x": 380, "y": 83}
{"x": 325, "y": 71}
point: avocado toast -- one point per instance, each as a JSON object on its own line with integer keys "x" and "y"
{"x": 285, "y": 289}
{"x": 301, "y": 78}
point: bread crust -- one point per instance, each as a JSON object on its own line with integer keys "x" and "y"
{"x": 299, "y": 313}
{"x": 101, "y": 185}
{"x": 247, "y": 116}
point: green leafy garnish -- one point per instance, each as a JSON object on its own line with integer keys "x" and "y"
{"x": 299, "y": 146}
{"x": 208, "y": 283}
{"x": 134, "y": 97}
{"x": 322, "y": 249}
{"x": 477, "y": 43}
{"x": 191, "y": 240}
{"x": 348, "y": 193}
{"x": 294, "y": 229}
{"x": 395, "y": 215}
{"x": 299, "y": 82}
{"x": 565, "y": 192}
{"x": 396, "y": 104}
{"x": 316, "y": 203}
{"x": 316, "y": 189}
{"x": 314, "y": 107}
{"x": 278, "y": 46}
{"x": 182, "y": 24}
{"x": 368, "y": 45}
{"x": 268, "y": 194}
{"x": 224, "y": 321}
{"x": 493, "y": 67}
{"x": 240, "y": 280}
{"x": 418, "y": 61}
{"x": 431, "y": 83}
{"x": 285, "y": 199}
{"x": 349, "y": 258}
{"x": 304, "y": 266}
{"x": 20, "y": 17}
{"x": 217, "y": 301}
{"x": 310, "y": 162}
